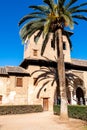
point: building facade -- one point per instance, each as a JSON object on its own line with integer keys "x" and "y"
{"x": 30, "y": 84}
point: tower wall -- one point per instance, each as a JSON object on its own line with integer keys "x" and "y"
{"x": 30, "y": 46}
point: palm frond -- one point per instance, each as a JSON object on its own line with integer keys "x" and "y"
{"x": 43, "y": 73}
{"x": 41, "y": 78}
{"x": 38, "y": 94}
{"x": 29, "y": 32}
{"x": 68, "y": 20}
{"x": 52, "y": 82}
{"x": 44, "y": 43}
{"x": 71, "y": 2}
{"x": 37, "y": 36}
{"x": 83, "y": 4}
{"x": 28, "y": 17}
{"x": 61, "y": 3}
{"x": 29, "y": 27}
{"x": 75, "y": 22}
{"x": 80, "y": 17}
{"x": 77, "y": 7}
{"x": 80, "y": 10}
{"x": 50, "y": 3}
{"x": 33, "y": 30}
{"x": 44, "y": 9}
{"x": 70, "y": 43}
{"x": 46, "y": 27}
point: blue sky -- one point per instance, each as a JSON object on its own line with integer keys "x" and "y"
{"x": 11, "y": 48}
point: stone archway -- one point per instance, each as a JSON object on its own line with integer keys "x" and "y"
{"x": 80, "y": 96}
{"x": 76, "y": 88}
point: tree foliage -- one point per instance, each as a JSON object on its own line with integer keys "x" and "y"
{"x": 51, "y": 16}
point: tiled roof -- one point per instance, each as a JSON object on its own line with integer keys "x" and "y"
{"x": 12, "y": 69}
{"x": 3, "y": 71}
{"x": 79, "y": 62}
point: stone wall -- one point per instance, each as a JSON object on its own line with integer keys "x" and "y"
{"x": 12, "y": 94}
{"x": 49, "y": 52}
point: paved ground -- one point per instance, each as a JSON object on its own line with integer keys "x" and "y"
{"x": 37, "y": 121}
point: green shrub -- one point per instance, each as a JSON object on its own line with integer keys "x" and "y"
{"x": 20, "y": 109}
{"x": 78, "y": 112}
{"x": 56, "y": 109}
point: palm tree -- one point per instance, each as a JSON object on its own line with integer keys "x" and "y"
{"x": 51, "y": 18}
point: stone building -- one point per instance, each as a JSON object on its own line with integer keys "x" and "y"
{"x": 13, "y": 85}
{"x": 19, "y": 85}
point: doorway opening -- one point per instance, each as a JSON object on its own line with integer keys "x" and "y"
{"x": 80, "y": 96}
{"x": 45, "y": 104}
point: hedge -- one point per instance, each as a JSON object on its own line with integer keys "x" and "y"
{"x": 78, "y": 112}
{"x": 20, "y": 109}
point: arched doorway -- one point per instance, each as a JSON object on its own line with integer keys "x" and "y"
{"x": 80, "y": 96}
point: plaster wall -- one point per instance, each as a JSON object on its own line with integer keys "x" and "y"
{"x": 49, "y": 52}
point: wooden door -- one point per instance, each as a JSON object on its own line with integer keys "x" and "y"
{"x": 45, "y": 104}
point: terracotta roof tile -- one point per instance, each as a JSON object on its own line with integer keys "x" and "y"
{"x": 3, "y": 71}
{"x": 12, "y": 69}
{"x": 79, "y": 62}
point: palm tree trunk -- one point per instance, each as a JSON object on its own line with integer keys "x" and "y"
{"x": 61, "y": 75}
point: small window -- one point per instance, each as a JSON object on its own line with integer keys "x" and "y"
{"x": 35, "y": 52}
{"x": 19, "y": 82}
{"x": 0, "y": 98}
{"x": 53, "y": 44}
{"x": 64, "y": 45}
{"x": 35, "y": 82}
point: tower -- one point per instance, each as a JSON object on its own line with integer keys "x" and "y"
{"x": 33, "y": 50}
